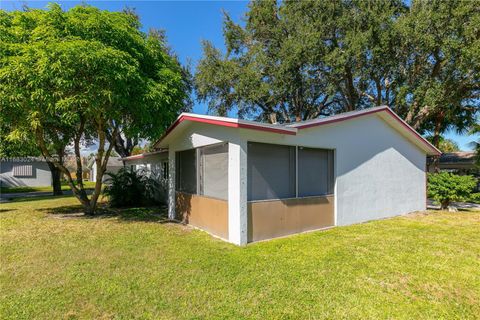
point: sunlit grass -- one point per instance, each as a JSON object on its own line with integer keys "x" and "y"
{"x": 65, "y": 186}
{"x": 56, "y": 264}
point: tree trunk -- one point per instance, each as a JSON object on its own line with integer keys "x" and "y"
{"x": 436, "y": 143}
{"x": 56, "y": 179}
{"x": 123, "y": 146}
{"x": 444, "y": 204}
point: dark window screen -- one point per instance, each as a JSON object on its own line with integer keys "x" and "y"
{"x": 315, "y": 172}
{"x": 214, "y": 171}
{"x": 186, "y": 171}
{"x": 271, "y": 171}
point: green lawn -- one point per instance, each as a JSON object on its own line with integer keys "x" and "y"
{"x": 87, "y": 184}
{"x": 134, "y": 265}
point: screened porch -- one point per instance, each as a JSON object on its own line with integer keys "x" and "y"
{"x": 289, "y": 189}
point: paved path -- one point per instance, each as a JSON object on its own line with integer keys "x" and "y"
{"x": 457, "y": 205}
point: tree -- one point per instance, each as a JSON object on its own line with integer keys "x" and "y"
{"x": 16, "y": 146}
{"x": 297, "y": 60}
{"x": 439, "y": 66}
{"x": 58, "y": 78}
{"x": 475, "y": 130}
{"x": 445, "y": 145}
{"x": 445, "y": 187}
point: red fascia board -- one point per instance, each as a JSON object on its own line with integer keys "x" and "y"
{"x": 222, "y": 123}
{"x": 388, "y": 110}
{"x": 137, "y": 156}
{"x": 327, "y": 121}
{"x": 406, "y": 126}
{"x": 237, "y": 125}
{"x": 225, "y": 124}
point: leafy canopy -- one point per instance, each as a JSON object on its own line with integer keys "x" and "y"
{"x": 295, "y": 60}
{"x": 83, "y": 74}
{"x": 445, "y": 187}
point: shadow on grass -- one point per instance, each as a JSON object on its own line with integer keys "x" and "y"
{"x": 6, "y": 210}
{"x": 39, "y": 198}
{"x": 144, "y": 214}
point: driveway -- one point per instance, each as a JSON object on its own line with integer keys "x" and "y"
{"x": 456, "y": 205}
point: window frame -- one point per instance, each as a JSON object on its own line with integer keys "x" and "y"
{"x": 198, "y": 154}
{"x": 177, "y": 171}
{"x": 200, "y": 192}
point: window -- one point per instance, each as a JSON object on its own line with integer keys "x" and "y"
{"x": 213, "y": 172}
{"x": 186, "y": 173}
{"x": 203, "y": 171}
{"x": 165, "y": 170}
{"x": 22, "y": 170}
{"x": 315, "y": 172}
{"x": 274, "y": 174}
{"x": 271, "y": 171}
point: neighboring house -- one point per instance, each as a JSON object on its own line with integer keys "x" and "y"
{"x": 152, "y": 163}
{"x": 113, "y": 165}
{"x": 246, "y": 181}
{"x": 27, "y": 171}
{"x": 462, "y": 162}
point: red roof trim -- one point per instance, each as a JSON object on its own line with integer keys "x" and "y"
{"x": 406, "y": 126}
{"x": 224, "y": 124}
{"x": 307, "y": 125}
{"x": 237, "y": 125}
{"x": 142, "y": 155}
{"x": 136, "y": 156}
{"x": 327, "y": 121}
{"x": 356, "y": 115}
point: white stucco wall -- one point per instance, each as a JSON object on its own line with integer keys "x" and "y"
{"x": 379, "y": 173}
{"x": 41, "y": 175}
{"x": 198, "y": 135}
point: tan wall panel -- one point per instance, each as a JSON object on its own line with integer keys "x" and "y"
{"x": 271, "y": 219}
{"x": 203, "y": 212}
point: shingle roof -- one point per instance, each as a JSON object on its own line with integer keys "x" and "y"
{"x": 457, "y": 157}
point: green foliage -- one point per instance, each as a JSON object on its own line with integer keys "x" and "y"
{"x": 128, "y": 188}
{"x": 474, "y": 197}
{"x": 131, "y": 265}
{"x": 16, "y": 145}
{"x": 445, "y": 187}
{"x": 475, "y": 130}
{"x": 297, "y": 60}
{"x": 70, "y": 77}
{"x": 445, "y": 145}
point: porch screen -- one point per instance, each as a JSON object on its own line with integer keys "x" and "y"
{"x": 315, "y": 172}
{"x": 214, "y": 171}
{"x": 186, "y": 171}
{"x": 271, "y": 171}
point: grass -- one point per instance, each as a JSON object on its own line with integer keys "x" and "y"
{"x": 57, "y": 265}
{"x": 87, "y": 184}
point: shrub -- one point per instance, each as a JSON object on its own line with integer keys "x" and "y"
{"x": 128, "y": 188}
{"x": 445, "y": 187}
{"x": 474, "y": 197}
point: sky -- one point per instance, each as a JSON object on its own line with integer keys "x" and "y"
{"x": 186, "y": 23}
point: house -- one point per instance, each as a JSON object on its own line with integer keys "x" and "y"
{"x": 245, "y": 181}
{"x": 152, "y": 163}
{"x": 25, "y": 171}
{"x": 113, "y": 165}
{"x": 462, "y": 162}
